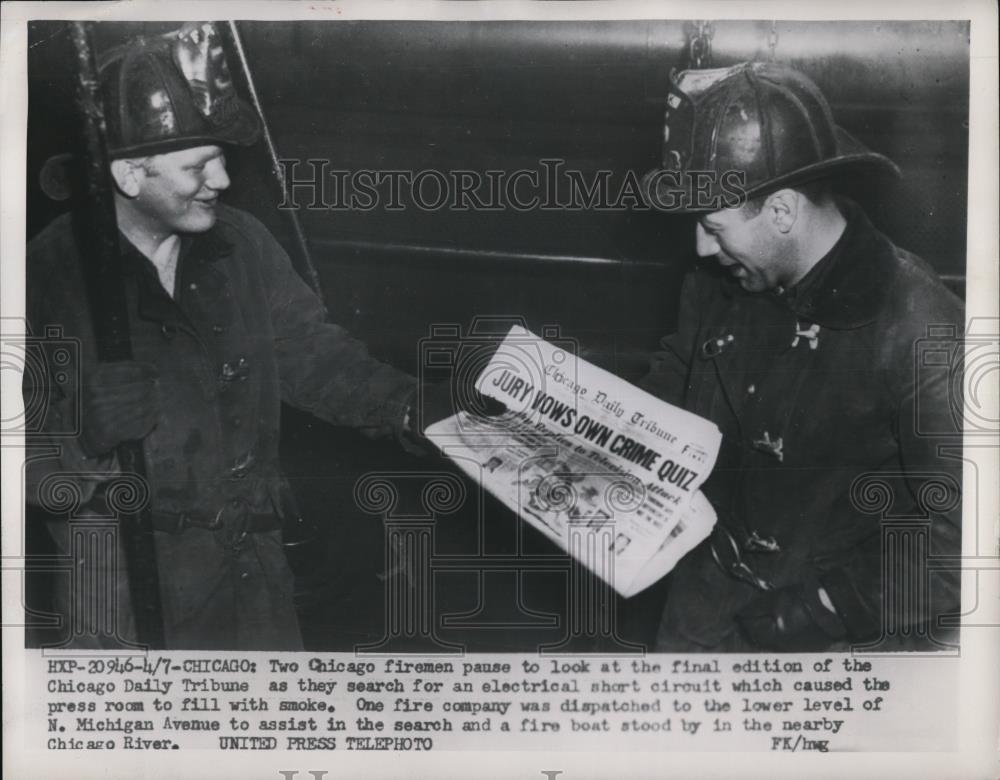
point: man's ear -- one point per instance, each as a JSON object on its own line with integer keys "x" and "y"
{"x": 128, "y": 176}
{"x": 783, "y": 208}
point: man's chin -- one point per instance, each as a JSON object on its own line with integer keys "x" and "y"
{"x": 751, "y": 285}
{"x": 199, "y": 222}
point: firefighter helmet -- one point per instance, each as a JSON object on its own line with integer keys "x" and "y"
{"x": 172, "y": 92}
{"x": 739, "y": 132}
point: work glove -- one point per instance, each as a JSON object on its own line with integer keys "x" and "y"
{"x": 118, "y": 403}
{"x": 791, "y": 619}
{"x": 438, "y": 402}
{"x": 441, "y": 401}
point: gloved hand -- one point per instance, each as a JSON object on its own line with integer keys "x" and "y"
{"x": 791, "y": 619}
{"x": 118, "y": 403}
{"x": 440, "y": 401}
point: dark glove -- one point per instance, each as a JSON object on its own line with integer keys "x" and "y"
{"x": 440, "y": 401}
{"x": 791, "y": 619}
{"x": 118, "y": 404}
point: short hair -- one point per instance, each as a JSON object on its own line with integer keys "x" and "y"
{"x": 816, "y": 192}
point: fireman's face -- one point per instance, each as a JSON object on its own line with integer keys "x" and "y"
{"x": 179, "y": 191}
{"x": 748, "y": 245}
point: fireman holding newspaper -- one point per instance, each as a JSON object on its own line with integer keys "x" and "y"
{"x": 790, "y": 393}
{"x": 802, "y": 342}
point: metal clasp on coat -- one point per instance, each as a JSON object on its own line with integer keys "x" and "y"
{"x": 771, "y": 446}
{"x": 242, "y": 465}
{"x": 231, "y": 372}
{"x": 764, "y": 544}
{"x": 714, "y": 347}
{"x": 811, "y": 334}
{"x": 232, "y": 520}
{"x": 728, "y": 555}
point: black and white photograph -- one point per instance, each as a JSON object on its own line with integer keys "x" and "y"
{"x": 538, "y": 378}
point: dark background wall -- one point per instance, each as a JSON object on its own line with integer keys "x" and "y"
{"x": 504, "y": 96}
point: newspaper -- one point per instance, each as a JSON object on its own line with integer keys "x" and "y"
{"x": 604, "y": 469}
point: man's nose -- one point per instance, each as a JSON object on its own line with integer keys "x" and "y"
{"x": 705, "y": 244}
{"x": 216, "y": 177}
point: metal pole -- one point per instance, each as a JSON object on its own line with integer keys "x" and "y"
{"x": 98, "y": 240}
{"x": 303, "y": 263}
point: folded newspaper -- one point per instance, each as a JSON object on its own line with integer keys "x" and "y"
{"x": 604, "y": 469}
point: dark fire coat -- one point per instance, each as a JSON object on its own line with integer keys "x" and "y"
{"x": 839, "y": 464}
{"x": 242, "y": 334}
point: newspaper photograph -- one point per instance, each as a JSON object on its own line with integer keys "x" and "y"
{"x": 604, "y": 469}
{"x": 509, "y": 389}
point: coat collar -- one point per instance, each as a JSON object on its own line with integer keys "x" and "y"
{"x": 198, "y": 253}
{"x": 847, "y": 288}
{"x": 204, "y": 247}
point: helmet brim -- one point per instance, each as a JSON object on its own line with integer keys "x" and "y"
{"x": 660, "y": 193}
{"x": 242, "y": 128}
